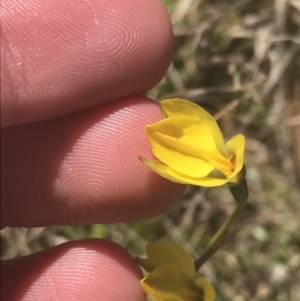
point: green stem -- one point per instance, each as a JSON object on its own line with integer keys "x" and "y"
{"x": 219, "y": 237}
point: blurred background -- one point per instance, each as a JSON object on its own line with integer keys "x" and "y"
{"x": 239, "y": 59}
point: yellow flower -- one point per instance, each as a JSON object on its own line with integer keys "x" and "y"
{"x": 172, "y": 275}
{"x": 190, "y": 148}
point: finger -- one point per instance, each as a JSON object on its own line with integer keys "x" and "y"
{"x": 90, "y": 269}
{"x": 63, "y": 56}
{"x": 83, "y": 168}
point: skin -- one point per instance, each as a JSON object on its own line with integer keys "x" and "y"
{"x": 72, "y": 128}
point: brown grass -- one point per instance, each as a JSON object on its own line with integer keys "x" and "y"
{"x": 240, "y": 60}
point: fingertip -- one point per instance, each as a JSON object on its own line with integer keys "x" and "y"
{"x": 77, "y": 54}
{"x": 91, "y": 269}
{"x": 85, "y": 168}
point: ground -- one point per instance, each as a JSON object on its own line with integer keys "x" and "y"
{"x": 240, "y": 61}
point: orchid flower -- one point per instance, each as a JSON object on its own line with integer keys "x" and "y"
{"x": 190, "y": 149}
{"x": 172, "y": 275}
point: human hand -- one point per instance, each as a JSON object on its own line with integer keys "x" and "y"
{"x": 71, "y": 135}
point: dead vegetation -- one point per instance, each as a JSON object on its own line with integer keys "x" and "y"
{"x": 240, "y": 60}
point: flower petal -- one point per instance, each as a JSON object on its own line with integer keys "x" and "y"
{"x": 165, "y": 171}
{"x": 208, "y": 289}
{"x": 210, "y": 182}
{"x": 160, "y": 253}
{"x": 191, "y": 131}
{"x": 165, "y": 284}
{"x": 186, "y": 145}
{"x": 236, "y": 146}
{"x": 176, "y": 177}
{"x": 177, "y": 107}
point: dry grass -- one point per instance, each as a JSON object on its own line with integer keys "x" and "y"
{"x": 240, "y": 60}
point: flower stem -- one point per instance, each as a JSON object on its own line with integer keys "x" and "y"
{"x": 219, "y": 238}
